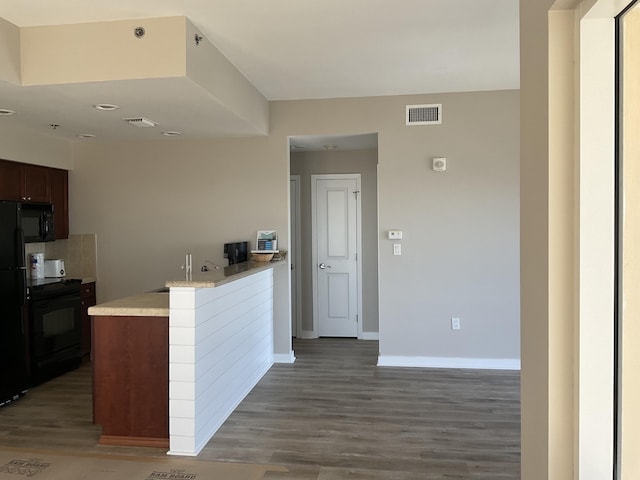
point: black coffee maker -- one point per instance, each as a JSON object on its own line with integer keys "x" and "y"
{"x": 236, "y": 252}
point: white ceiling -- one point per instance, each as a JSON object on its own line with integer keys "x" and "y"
{"x": 288, "y": 49}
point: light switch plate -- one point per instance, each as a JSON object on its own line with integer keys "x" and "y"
{"x": 397, "y": 249}
{"x": 395, "y": 234}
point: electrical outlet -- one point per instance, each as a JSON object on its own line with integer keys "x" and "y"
{"x": 395, "y": 234}
{"x": 455, "y": 323}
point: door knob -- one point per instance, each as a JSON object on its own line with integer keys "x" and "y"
{"x": 322, "y": 266}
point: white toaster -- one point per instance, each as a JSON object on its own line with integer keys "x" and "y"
{"x": 54, "y": 268}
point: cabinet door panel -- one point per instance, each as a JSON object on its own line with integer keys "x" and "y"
{"x": 10, "y": 178}
{"x": 36, "y": 181}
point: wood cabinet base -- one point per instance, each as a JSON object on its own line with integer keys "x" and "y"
{"x": 134, "y": 441}
{"x": 131, "y": 379}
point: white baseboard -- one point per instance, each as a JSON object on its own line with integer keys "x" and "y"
{"x": 370, "y": 336}
{"x": 308, "y": 335}
{"x": 449, "y": 362}
{"x": 284, "y": 357}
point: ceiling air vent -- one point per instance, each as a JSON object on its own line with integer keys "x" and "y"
{"x": 140, "y": 122}
{"x": 424, "y": 114}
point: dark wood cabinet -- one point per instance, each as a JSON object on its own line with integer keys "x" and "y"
{"x": 88, "y": 299}
{"x": 22, "y": 182}
{"x": 59, "y": 188}
{"x": 35, "y": 184}
{"x": 131, "y": 380}
{"x": 10, "y": 180}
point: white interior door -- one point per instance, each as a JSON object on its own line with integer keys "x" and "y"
{"x": 335, "y": 209}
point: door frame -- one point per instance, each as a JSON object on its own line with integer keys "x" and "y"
{"x": 296, "y": 236}
{"x": 314, "y": 246}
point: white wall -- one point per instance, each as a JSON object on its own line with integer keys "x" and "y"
{"x": 151, "y": 202}
{"x": 21, "y": 145}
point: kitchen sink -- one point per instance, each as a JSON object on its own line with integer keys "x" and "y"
{"x": 160, "y": 290}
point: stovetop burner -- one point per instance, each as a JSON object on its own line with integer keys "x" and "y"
{"x": 41, "y": 282}
{"x": 53, "y": 286}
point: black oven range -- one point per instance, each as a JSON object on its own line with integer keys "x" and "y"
{"x": 54, "y": 327}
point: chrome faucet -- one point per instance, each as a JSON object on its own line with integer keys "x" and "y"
{"x": 206, "y": 268}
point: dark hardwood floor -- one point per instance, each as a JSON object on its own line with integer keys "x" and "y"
{"x": 331, "y": 415}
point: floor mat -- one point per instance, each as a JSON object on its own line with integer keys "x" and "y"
{"x": 17, "y": 463}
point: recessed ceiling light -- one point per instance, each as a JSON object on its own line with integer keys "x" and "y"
{"x": 86, "y": 135}
{"x": 330, "y": 147}
{"x": 6, "y": 112}
{"x": 171, "y": 133}
{"x": 297, "y": 147}
{"x": 106, "y": 107}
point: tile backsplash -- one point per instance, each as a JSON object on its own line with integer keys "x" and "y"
{"x": 79, "y": 253}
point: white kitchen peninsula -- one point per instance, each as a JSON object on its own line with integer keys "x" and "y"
{"x": 220, "y": 344}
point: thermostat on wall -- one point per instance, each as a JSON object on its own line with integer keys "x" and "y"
{"x": 439, "y": 164}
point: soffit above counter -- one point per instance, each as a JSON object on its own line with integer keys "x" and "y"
{"x": 171, "y": 75}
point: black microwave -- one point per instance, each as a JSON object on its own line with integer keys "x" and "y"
{"x": 37, "y": 222}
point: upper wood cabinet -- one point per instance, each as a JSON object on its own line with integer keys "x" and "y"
{"x": 22, "y": 182}
{"x": 35, "y": 184}
{"x": 10, "y": 180}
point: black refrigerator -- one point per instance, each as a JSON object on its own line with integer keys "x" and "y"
{"x": 13, "y": 295}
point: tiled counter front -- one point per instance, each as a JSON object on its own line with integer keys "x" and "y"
{"x": 220, "y": 346}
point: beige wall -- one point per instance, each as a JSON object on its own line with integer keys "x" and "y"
{"x": 59, "y": 54}
{"x": 568, "y": 143}
{"x": 9, "y": 52}
{"x": 534, "y": 210}
{"x": 561, "y": 242}
{"x": 365, "y": 163}
{"x": 151, "y": 202}
{"x": 461, "y": 230}
{"x": 16, "y": 143}
{"x": 210, "y": 69}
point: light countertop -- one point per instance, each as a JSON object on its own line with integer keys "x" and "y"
{"x": 216, "y": 278}
{"x": 142, "y": 305}
{"x": 156, "y": 304}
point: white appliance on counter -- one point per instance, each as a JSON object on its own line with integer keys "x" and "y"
{"x": 37, "y": 265}
{"x": 54, "y": 268}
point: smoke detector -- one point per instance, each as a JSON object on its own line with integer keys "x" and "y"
{"x": 141, "y": 122}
